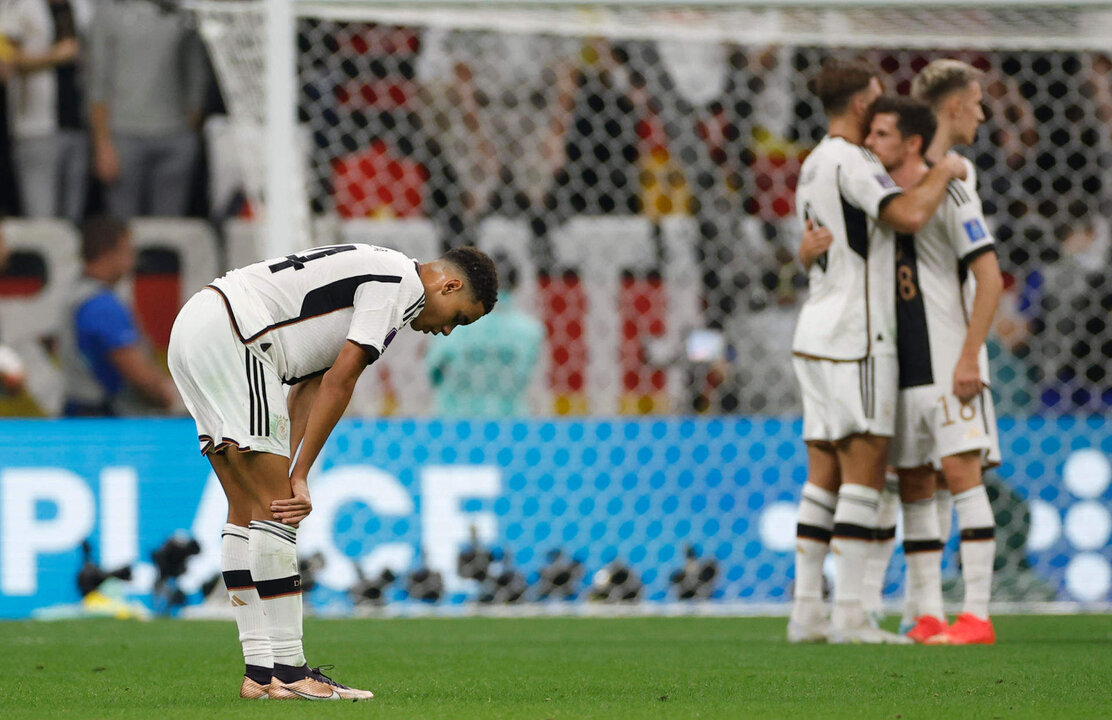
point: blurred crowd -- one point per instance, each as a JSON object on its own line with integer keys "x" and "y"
{"x": 111, "y": 109}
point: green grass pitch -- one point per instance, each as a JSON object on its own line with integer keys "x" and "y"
{"x": 540, "y": 668}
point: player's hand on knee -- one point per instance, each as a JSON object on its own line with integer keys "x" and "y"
{"x": 292, "y": 511}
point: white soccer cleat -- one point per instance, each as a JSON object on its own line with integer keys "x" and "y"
{"x": 867, "y": 635}
{"x": 804, "y": 633}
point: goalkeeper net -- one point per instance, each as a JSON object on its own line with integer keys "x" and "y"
{"x": 635, "y": 162}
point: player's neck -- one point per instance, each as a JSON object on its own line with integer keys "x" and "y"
{"x": 846, "y": 127}
{"x": 908, "y": 174}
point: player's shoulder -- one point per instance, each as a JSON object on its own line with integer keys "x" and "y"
{"x": 838, "y": 149}
{"x": 964, "y": 191}
{"x": 392, "y": 261}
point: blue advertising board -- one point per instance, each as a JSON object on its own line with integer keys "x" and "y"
{"x": 398, "y": 493}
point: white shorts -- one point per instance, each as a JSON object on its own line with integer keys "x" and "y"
{"x": 234, "y": 395}
{"x": 841, "y": 399}
{"x": 933, "y": 424}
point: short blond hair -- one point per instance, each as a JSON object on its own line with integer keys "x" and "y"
{"x": 941, "y": 78}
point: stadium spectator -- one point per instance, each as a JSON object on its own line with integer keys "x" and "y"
{"x": 1014, "y": 392}
{"x": 844, "y": 350}
{"x": 12, "y": 374}
{"x": 1073, "y": 307}
{"x": 488, "y": 370}
{"x": 49, "y": 145}
{"x": 313, "y": 321}
{"x": 599, "y": 175}
{"x": 146, "y": 81}
{"x": 106, "y": 365}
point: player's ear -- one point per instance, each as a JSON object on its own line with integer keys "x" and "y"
{"x": 452, "y": 284}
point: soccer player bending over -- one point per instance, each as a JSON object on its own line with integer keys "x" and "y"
{"x": 313, "y": 321}
{"x": 844, "y": 349}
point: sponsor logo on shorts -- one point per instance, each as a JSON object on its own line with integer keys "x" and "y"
{"x": 281, "y": 429}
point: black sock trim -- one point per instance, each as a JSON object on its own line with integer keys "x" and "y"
{"x": 238, "y": 579}
{"x": 290, "y": 673}
{"x": 918, "y": 546}
{"x": 277, "y": 588}
{"x": 812, "y": 532}
{"x": 888, "y": 533}
{"x": 259, "y": 674}
{"x": 985, "y": 533}
{"x": 853, "y": 532}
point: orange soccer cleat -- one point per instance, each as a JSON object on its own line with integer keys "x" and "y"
{"x": 968, "y": 629}
{"x": 926, "y": 627}
{"x": 317, "y": 686}
{"x": 251, "y": 690}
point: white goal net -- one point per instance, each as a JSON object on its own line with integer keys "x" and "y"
{"x": 636, "y": 162}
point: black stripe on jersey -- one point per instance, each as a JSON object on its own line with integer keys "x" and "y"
{"x": 913, "y": 346}
{"x": 297, "y": 262}
{"x": 857, "y": 228}
{"x": 338, "y": 295}
{"x": 250, "y": 394}
{"x": 324, "y": 300}
{"x": 957, "y": 193}
{"x": 413, "y": 310}
{"x": 968, "y": 258}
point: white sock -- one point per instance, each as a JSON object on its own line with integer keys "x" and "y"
{"x": 235, "y": 562}
{"x": 880, "y": 554}
{"x": 978, "y": 548}
{"x": 274, "y": 568}
{"x": 854, "y": 530}
{"x": 814, "y": 526}
{"x": 923, "y": 552}
{"x": 944, "y": 501}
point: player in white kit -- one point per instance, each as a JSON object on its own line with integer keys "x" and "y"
{"x": 951, "y": 289}
{"x": 312, "y": 321}
{"x": 844, "y": 350}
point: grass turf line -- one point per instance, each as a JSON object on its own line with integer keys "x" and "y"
{"x": 538, "y": 668}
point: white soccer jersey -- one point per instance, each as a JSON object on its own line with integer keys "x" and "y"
{"x": 935, "y": 288}
{"x": 299, "y": 310}
{"x": 849, "y": 313}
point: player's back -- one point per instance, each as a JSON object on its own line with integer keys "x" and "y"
{"x": 302, "y": 307}
{"x": 849, "y": 312}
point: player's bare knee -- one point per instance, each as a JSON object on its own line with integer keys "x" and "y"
{"x": 917, "y": 484}
{"x": 962, "y": 471}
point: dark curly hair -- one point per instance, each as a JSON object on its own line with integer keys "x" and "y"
{"x": 480, "y": 272}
